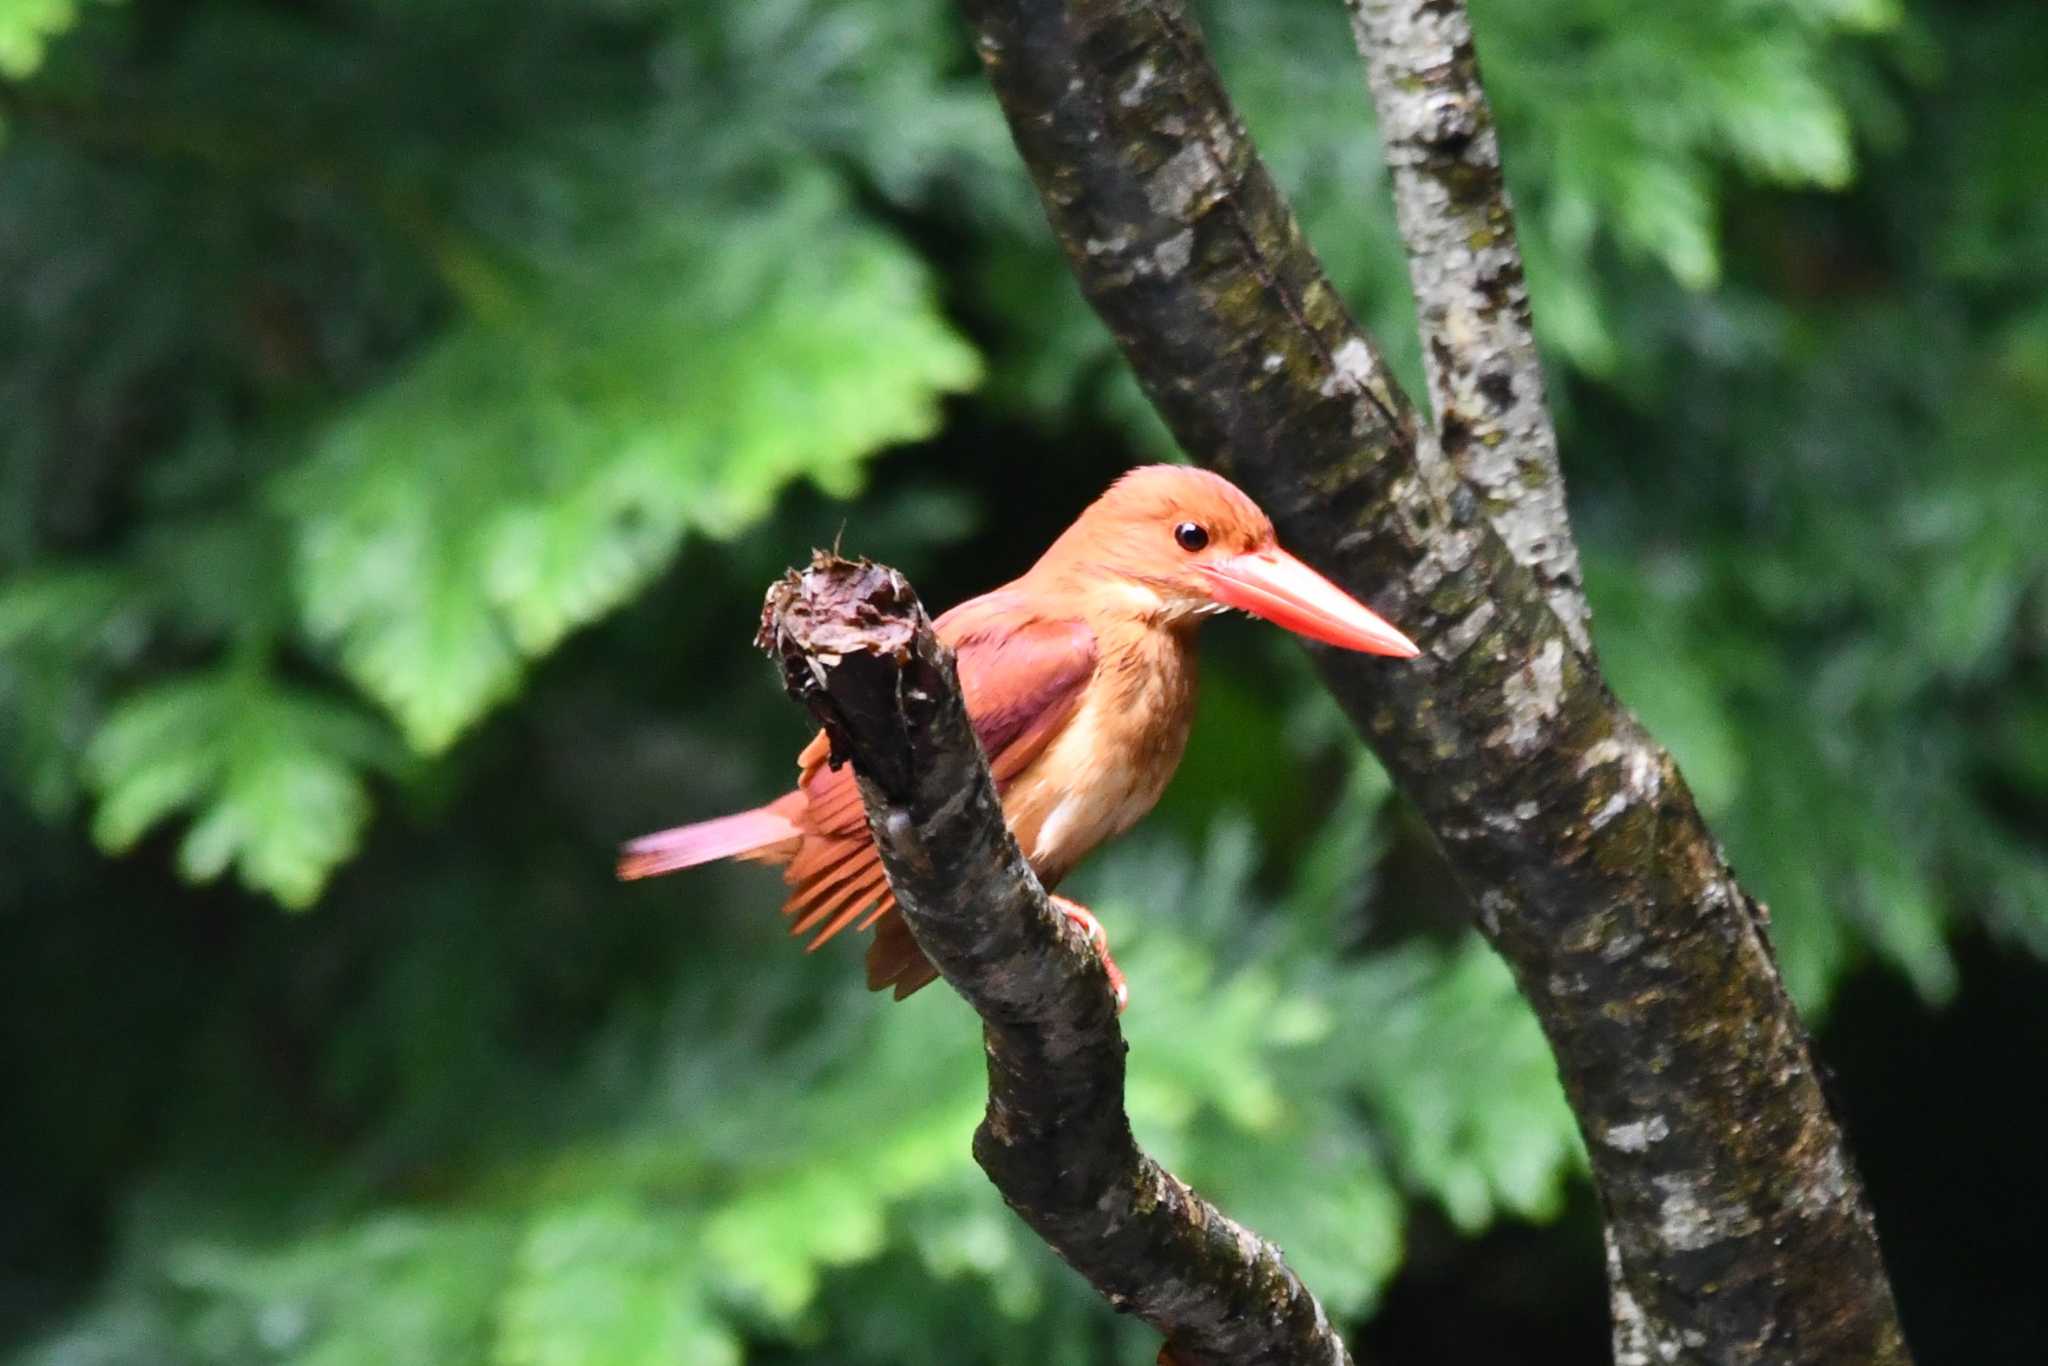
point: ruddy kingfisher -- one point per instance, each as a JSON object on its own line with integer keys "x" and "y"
{"x": 1079, "y": 678}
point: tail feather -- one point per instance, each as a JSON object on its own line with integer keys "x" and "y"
{"x": 757, "y": 832}
{"x": 837, "y": 882}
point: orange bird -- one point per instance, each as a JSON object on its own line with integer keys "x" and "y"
{"x": 1079, "y": 678}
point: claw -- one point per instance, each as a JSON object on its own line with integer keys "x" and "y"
{"x": 1085, "y": 918}
{"x": 1090, "y": 926}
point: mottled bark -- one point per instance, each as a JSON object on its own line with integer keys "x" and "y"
{"x": 1739, "y": 1224}
{"x": 1478, "y": 349}
{"x": 857, "y": 650}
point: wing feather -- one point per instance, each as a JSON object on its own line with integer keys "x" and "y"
{"x": 1022, "y": 676}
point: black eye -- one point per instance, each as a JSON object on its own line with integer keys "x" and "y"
{"x": 1190, "y": 536}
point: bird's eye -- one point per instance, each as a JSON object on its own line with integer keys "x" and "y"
{"x": 1190, "y": 536}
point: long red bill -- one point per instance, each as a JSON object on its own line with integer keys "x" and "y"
{"x": 1274, "y": 585}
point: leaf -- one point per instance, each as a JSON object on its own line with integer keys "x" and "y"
{"x": 774, "y": 1233}
{"x": 608, "y": 1283}
{"x": 1779, "y": 119}
{"x": 390, "y": 1287}
{"x": 1843, "y": 863}
{"x": 1233, "y": 1082}
{"x": 27, "y": 27}
{"x": 535, "y": 470}
{"x": 60, "y": 626}
{"x": 1856, "y": 16}
{"x": 1335, "y": 1211}
{"x": 1463, "y": 1082}
{"x": 66, "y": 607}
{"x": 270, "y": 776}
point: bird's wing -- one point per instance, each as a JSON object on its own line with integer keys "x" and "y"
{"x": 1022, "y": 681}
{"x": 1022, "y": 677}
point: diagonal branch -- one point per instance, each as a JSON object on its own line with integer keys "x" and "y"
{"x": 857, "y": 650}
{"x": 1479, "y": 351}
{"x": 1739, "y": 1224}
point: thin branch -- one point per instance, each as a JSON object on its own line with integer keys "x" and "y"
{"x": 1479, "y": 351}
{"x": 1740, "y": 1223}
{"x": 857, "y": 650}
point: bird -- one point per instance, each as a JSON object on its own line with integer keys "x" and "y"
{"x": 1079, "y": 680}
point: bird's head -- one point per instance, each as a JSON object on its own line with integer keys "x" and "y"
{"x": 1174, "y": 543}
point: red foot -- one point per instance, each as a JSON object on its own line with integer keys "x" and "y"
{"x": 1090, "y": 926}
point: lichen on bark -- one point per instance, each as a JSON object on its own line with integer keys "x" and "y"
{"x": 1472, "y": 299}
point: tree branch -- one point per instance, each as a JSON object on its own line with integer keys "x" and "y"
{"x": 1479, "y": 351}
{"x": 857, "y": 650}
{"x": 1740, "y": 1225}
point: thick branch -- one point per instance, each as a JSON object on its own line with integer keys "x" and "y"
{"x": 856, "y": 649}
{"x": 1479, "y": 352}
{"x": 1741, "y": 1228}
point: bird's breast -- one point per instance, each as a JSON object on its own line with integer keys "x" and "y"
{"x": 1108, "y": 767}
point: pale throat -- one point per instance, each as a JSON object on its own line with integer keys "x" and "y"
{"x": 1114, "y": 596}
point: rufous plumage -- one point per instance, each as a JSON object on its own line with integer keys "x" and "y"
{"x": 1079, "y": 678}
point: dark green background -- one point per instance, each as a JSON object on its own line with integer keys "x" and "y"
{"x": 403, "y": 404}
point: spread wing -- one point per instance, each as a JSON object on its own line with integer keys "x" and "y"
{"x": 1022, "y": 677}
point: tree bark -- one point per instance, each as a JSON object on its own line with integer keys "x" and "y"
{"x": 1478, "y": 348}
{"x": 1739, "y": 1227}
{"x": 857, "y": 650}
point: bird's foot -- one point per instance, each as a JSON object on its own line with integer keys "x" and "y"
{"x": 1090, "y": 926}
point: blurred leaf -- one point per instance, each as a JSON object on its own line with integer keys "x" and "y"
{"x": 64, "y": 607}
{"x": 534, "y": 471}
{"x": 1780, "y": 119}
{"x": 271, "y": 776}
{"x": 603, "y": 1284}
{"x": 27, "y": 27}
{"x": 1462, "y": 1080}
{"x": 1238, "y": 1072}
{"x": 56, "y": 626}
{"x": 396, "y": 1287}
{"x": 1338, "y": 1215}
{"x": 304, "y": 343}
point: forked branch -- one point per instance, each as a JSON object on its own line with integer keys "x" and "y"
{"x": 1738, "y": 1225}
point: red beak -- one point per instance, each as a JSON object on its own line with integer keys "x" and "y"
{"x": 1274, "y": 585}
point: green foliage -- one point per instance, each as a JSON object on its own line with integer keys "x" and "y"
{"x": 1842, "y": 552}
{"x": 1462, "y": 1076}
{"x": 393, "y": 1288}
{"x": 264, "y": 771}
{"x": 26, "y": 30}
{"x": 1635, "y": 110}
{"x": 535, "y": 470}
{"x": 1624, "y": 120}
{"x": 608, "y": 1285}
{"x": 50, "y": 622}
{"x": 747, "y": 1173}
{"x": 454, "y": 487}
{"x": 406, "y": 403}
